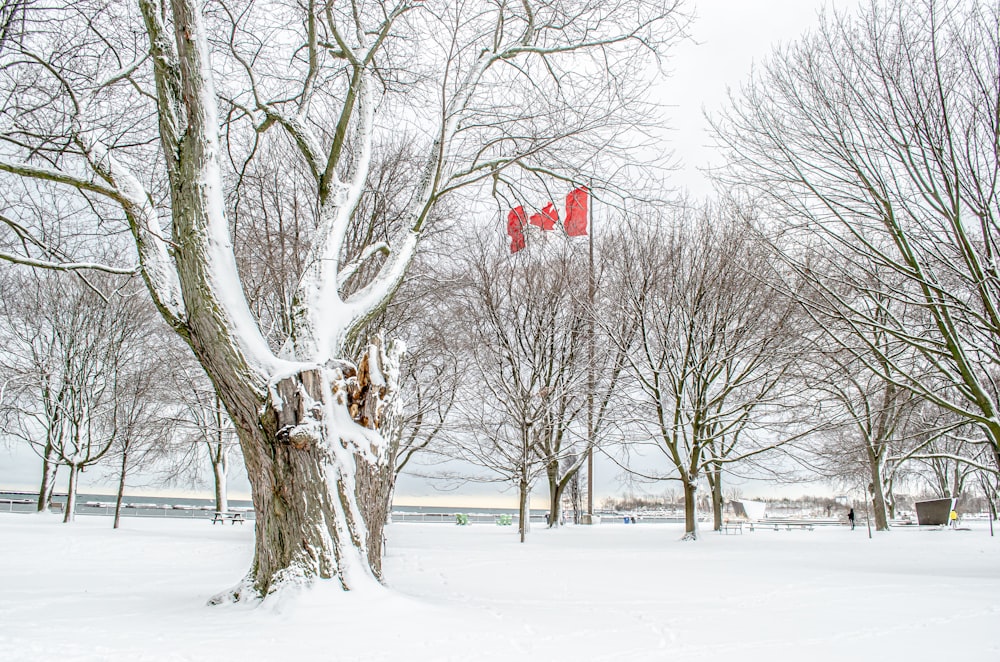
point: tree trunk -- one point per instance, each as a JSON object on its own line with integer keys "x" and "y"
{"x": 375, "y": 485}
{"x": 219, "y": 470}
{"x": 877, "y": 487}
{"x": 715, "y": 484}
{"x": 555, "y": 495}
{"x": 576, "y": 496}
{"x": 890, "y": 501}
{"x": 69, "y": 515}
{"x": 690, "y": 509}
{"x": 522, "y": 505}
{"x": 121, "y": 489}
{"x": 320, "y": 478}
{"x": 220, "y": 461}
{"x": 49, "y": 470}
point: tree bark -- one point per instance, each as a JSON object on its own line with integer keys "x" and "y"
{"x": 220, "y": 461}
{"x": 69, "y": 515}
{"x": 690, "y": 509}
{"x": 576, "y": 497}
{"x": 320, "y": 476}
{"x": 890, "y": 500}
{"x": 121, "y": 489}
{"x": 49, "y": 470}
{"x": 375, "y": 485}
{"x": 877, "y": 488}
{"x": 219, "y": 470}
{"x": 555, "y": 495}
{"x": 522, "y": 505}
{"x": 714, "y": 477}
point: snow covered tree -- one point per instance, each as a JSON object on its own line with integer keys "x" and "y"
{"x": 143, "y": 425}
{"x": 867, "y": 418}
{"x": 852, "y": 372}
{"x": 524, "y": 319}
{"x": 480, "y": 88}
{"x": 70, "y": 350}
{"x": 953, "y": 453}
{"x": 876, "y": 136}
{"x": 713, "y": 346}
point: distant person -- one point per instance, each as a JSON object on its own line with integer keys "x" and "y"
{"x": 850, "y": 517}
{"x": 954, "y": 519}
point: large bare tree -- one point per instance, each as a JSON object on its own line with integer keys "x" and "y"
{"x": 876, "y": 136}
{"x": 714, "y": 347}
{"x": 72, "y": 354}
{"x": 524, "y": 321}
{"x": 484, "y": 88}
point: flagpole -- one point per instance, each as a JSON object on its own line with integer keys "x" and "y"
{"x": 590, "y": 360}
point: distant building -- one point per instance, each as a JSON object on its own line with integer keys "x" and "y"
{"x": 842, "y": 500}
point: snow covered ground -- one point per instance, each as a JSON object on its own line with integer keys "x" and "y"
{"x": 611, "y": 592}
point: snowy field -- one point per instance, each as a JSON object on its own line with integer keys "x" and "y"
{"x": 611, "y": 592}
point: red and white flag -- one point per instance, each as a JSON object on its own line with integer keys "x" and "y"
{"x": 575, "y": 223}
{"x": 576, "y": 212}
{"x": 547, "y": 218}
{"x": 516, "y": 222}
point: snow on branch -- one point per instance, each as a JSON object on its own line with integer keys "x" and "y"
{"x": 66, "y": 266}
{"x": 154, "y": 258}
{"x": 351, "y": 268}
{"x": 57, "y": 176}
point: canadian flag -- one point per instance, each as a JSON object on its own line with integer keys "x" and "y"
{"x": 516, "y": 220}
{"x": 547, "y": 219}
{"x": 575, "y": 223}
{"x": 576, "y": 212}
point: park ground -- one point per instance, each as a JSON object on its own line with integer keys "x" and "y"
{"x": 472, "y": 593}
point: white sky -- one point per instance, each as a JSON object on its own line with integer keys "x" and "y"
{"x": 726, "y": 38}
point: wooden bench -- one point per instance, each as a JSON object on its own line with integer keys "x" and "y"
{"x": 228, "y": 517}
{"x": 733, "y": 527}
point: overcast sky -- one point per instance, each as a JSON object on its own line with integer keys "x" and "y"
{"x": 726, "y": 38}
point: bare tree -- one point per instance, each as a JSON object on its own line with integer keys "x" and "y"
{"x": 852, "y": 373}
{"x": 524, "y": 320}
{"x": 714, "y": 347}
{"x": 869, "y": 424}
{"x": 12, "y": 20}
{"x": 144, "y": 425}
{"x": 202, "y": 429}
{"x": 952, "y": 454}
{"x": 70, "y": 350}
{"x": 309, "y": 416}
{"x": 876, "y": 136}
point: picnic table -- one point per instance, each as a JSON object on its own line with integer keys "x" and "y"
{"x": 228, "y": 517}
